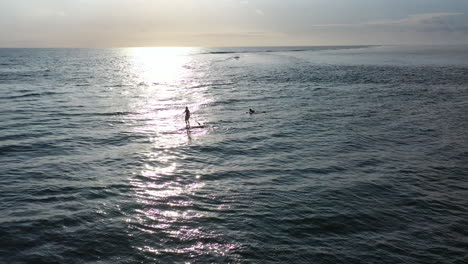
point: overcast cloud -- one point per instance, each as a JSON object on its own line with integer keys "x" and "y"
{"x": 111, "y": 23}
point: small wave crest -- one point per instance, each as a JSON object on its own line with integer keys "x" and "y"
{"x": 30, "y": 95}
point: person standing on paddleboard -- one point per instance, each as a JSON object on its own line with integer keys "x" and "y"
{"x": 187, "y": 116}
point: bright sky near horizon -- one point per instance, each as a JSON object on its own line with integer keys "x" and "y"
{"x": 130, "y": 23}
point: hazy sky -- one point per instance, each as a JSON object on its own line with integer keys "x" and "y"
{"x": 123, "y": 23}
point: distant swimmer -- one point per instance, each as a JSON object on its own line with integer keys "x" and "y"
{"x": 251, "y": 111}
{"x": 187, "y": 116}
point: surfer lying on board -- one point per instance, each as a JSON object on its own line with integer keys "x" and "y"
{"x": 251, "y": 111}
{"x": 187, "y": 116}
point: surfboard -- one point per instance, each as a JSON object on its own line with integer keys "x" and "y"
{"x": 194, "y": 127}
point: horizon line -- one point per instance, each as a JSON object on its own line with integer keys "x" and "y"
{"x": 260, "y": 46}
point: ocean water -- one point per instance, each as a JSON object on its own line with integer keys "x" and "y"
{"x": 355, "y": 155}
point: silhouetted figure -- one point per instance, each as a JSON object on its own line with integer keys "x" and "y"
{"x": 251, "y": 111}
{"x": 187, "y": 117}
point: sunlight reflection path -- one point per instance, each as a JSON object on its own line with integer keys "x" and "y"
{"x": 167, "y": 80}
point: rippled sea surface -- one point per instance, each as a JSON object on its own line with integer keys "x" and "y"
{"x": 355, "y": 155}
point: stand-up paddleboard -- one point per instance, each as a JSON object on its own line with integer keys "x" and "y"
{"x": 194, "y": 127}
{"x": 202, "y": 126}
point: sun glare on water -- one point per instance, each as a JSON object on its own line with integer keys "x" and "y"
{"x": 161, "y": 65}
{"x": 165, "y": 80}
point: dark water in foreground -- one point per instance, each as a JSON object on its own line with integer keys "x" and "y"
{"x": 361, "y": 155}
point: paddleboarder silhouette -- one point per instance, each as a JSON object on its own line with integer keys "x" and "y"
{"x": 187, "y": 117}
